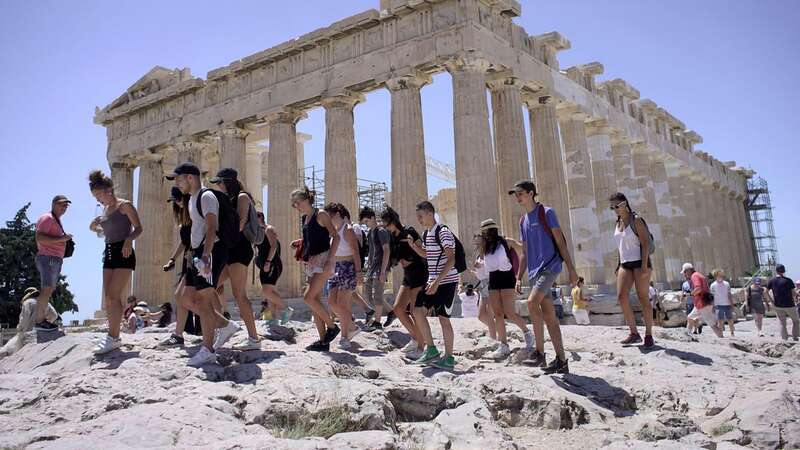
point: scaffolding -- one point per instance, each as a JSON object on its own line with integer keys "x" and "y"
{"x": 370, "y": 193}
{"x": 759, "y": 208}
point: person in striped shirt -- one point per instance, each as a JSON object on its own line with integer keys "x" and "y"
{"x": 438, "y": 248}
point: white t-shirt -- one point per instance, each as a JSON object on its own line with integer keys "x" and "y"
{"x": 721, "y": 293}
{"x": 210, "y": 206}
{"x": 497, "y": 261}
{"x": 469, "y": 304}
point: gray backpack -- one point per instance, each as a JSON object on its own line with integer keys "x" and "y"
{"x": 252, "y": 229}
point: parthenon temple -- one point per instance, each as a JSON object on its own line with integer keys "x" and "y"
{"x": 588, "y": 138}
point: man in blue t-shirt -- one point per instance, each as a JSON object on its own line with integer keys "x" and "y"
{"x": 544, "y": 251}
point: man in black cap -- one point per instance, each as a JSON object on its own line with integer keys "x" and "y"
{"x": 209, "y": 258}
{"x": 51, "y": 242}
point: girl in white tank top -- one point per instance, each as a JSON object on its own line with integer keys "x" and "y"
{"x": 628, "y": 244}
{"x": 344, "y": 247}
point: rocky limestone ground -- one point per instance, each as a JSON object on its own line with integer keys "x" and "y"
{"x": 712, "y": 394}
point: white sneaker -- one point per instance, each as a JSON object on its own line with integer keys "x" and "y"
{"x": 760, "y": 334}
{"x": 415, "y": 354}
{"x": 344, "y": 343}
{"x": 106, "y": 345}
{"x": 203, "y": 357}
{"x": 502, "y": 352}
{"x": 353, "y": 333}
{"x": 528, "y": 341}
{"x": 225, "y": 333}
{"x": 249, "y": 344}
{"x": 410, "y": 347}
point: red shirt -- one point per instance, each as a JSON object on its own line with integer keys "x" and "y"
{"x": 699, "y": 281}
{"x": 48, "y": 225}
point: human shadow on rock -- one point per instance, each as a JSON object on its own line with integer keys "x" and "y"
{"x": 691, "y": 357}
{"x": 599, "y": 392}
{"x": 114, "y": 359}
{"x": 398, "y": 338}
{"x": 345, "y": 358}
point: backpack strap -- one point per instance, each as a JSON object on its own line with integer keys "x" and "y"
{"x": 543, "y": 222}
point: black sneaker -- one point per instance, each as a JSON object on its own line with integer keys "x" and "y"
{"x": 700, "y": 329}
{"x": 171, "y": 341}
{"x": 631, "y": 339}
{"x": 648, "y": 341}
{"x": 319, "y": 346}
{"x": 557, "y": 366}
{"x": 368, "y": 315}
{"x": 331, "y": 334}
{"x": 389, "y": 319}
{"x": 226, "y": 315}
{"x": 536, "y": 359}
{"x": 376, "y": 326}
{"x": 45, "y": 326}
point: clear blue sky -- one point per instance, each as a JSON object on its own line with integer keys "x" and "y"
{"x": 728, "y": 69}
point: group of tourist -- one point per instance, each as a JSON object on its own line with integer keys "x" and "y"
{"x": 219, "y": 229}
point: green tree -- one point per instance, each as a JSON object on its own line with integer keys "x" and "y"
{"x": 18, "y": 269}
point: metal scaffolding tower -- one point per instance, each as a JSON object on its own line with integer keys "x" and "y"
{"x": 370, "y": 193}
{"x": 759, "y": 208}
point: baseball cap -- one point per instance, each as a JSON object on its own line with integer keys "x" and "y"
{"x": 523, "y": 184}
{"x": 687, "y": 266}
{"x": 61, "y": 199}
{"x": 757, "y": 281}
{"x": 186, "y": 168}
{"x": 225, "y": 173}
{"x": 488, "y": 224}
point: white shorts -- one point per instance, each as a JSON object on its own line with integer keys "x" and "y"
{"x": 581, "y": 316}
{"x": 706, "y": 314}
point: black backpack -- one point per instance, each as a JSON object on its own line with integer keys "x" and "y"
{"x": 652, "y": 248}
{"x": 395, "y": 242}
{"x": 461, "y": 257}
{"x": 363, "y": 244}
{"x": 227, "y": 219}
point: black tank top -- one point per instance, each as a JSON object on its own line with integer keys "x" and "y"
{"x": 316, "y": 238}
{"x": 186, "y": 237}
{"x": 263, "y": 253}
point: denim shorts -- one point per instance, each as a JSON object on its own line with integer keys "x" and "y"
{"x": 724, "y": 312}
{"x": 49, "y": 269}
{"x": 543, "y": 282}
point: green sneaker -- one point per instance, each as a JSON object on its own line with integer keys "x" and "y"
{"x": 431, "y": 354}
{"x": 286, "y": 315}
{"x": 446, "y": 363}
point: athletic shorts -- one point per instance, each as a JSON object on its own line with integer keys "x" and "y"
{"x": 344, "y": 276}
{"x": 415, "y": 275}
{"x": 49, "y": 269}
{"x": 441, "y": 301}
{"x": 271, "y": 277}
{"x": 315, "y": 264}
{"x": 706, "y": 314}
{"x": 219, "y": 258}
{"x": 113, "y": 259}
{"x": 242, "y": 253}
{"x": 631, "y": 265}
{"x": 543, "y": 282}
{"x": 502, "y": 280}
{"x": 724, "y": 312}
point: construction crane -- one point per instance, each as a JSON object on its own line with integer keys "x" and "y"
{"x": 441, "y": 170}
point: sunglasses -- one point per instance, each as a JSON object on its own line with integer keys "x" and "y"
{"x": 617, "y": 206}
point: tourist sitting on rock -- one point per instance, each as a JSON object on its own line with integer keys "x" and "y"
{"x": 27, "y": 317}
{"x": 162, "y": 317}
{"x": 138, "y": 319}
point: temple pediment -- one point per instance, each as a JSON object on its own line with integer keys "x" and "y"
{"x": 155, "y": 80}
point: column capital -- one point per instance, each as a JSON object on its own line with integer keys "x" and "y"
{"x": 503, "y": 80}
{"x": 286, "y": 116}
{"x": 537, "y": 100}
{"x": 566, "y": 111}
{"x": 413, "y": 80}
{"x": 471, "y": 64}
{"x": 344, "y": 98}
{"x": 122, "y": 163}
{"x": 618, "y": 137}
{"x": 233, "y": 131}
{"x": 599, "y": 126}
{"x": 188, "y": 144}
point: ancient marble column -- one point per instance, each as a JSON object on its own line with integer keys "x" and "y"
{"x": 672, "y": 259}
{"x": 476, "y": 185}
{"x": 709, "y": 208}
{"x": 604, "y": 178}
{"x": 680, "y": 217}
{"x": 122, "y": 175}
{"x": 702, "y": 223}
{"x": 233, "y": 151}
{"x": 646, "y": 206}
{"x": 586, "y": 235}
{"x": 154, "y": 246}
{"x": 737, "y": 233}
{"x": 750, "y": 259}
{"x": 255, "y": 184}
{"x": 623, "y": 165}
{"x": 340, "y": 150}
{"x": 548, "y": 161}
{"x": 510, "y": 147}
{"x": 409, "y": 171}
{"x": 282, "y": 180}
{"x": 189, "y": 150}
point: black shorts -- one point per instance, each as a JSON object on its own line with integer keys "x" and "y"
{"x": 631, "y": 265}
{"x": 242, "y": 253}
{"x": 415, "y": 275}
{"x": 113, "y": 259}
{"x": 502, "y": 280}
{"x": 441, "y": 301}
{"x": 219, "y": 258}
{"x": 271, "y": 277}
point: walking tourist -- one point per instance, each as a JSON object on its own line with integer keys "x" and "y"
{"x": 545, "y": 250}
{"x": 120, "y": 225}
{"x": 347, "y": 273}
{"x": 213, "y": 232}
{"x": 377, "y": 269}
{"x": 756, "y": 303}
{"x": 440, "y": 253}
{"x": 239, "y": 255}
{"x": 703, "y": 311}
{"x": 723, "y": 300}
{"x": 270, "y": 268}
{"x": 500, "y": 259}
{"x": 485, "y": 313}
{"x": 580, "y": 304}
{"x": 782, "y": 291}
{"x": 635, "y": 245}
{"x": 415, "y": 275}
{"x": 319, "y": 244}
{"x": 51, "y": 244}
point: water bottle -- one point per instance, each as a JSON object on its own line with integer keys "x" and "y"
{"x": 203, "y": 269}
{"x": 99, "y": 214}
